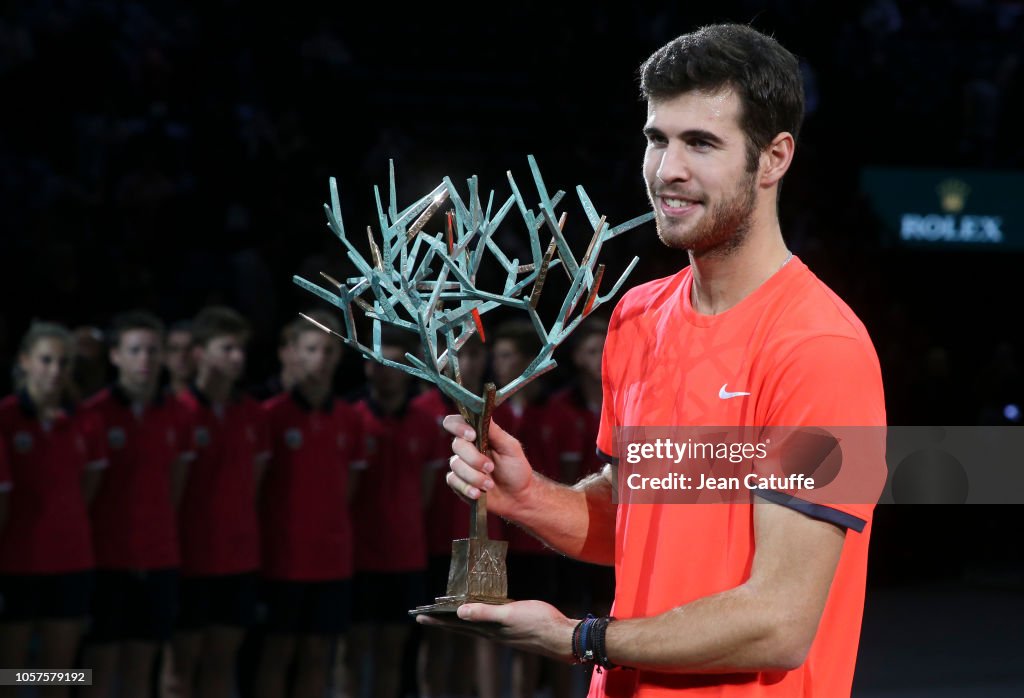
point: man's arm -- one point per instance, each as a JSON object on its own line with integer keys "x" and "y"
{"x": 766, "y": 623}
{"x": 578, "y": 521}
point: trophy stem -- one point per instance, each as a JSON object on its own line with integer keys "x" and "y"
{"x": 482, "y": 424}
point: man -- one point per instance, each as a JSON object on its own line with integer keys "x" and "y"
{"x": 307, "y": 533}
{"x": 220, "y": 555}
{"x": 181, "y": 368}
{"x": 133, "y": 516}
{"x": 729, "y": 599}
{"x": 404, "y": 448}
{"x": 448, "y": 664}
{"x": 290, "y": 372}
{"x": 548, "y": 437}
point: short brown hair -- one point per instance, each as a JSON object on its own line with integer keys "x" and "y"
{"x": 523, "y": 334}
{"x": 765, "y": 76}
{"x": 218, "y": 321}
{"x": 301, "y": 325}
{"x": 133, "y": 320}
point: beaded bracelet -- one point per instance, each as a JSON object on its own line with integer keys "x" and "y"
{"x": 588, "y": 642}
{"x": 600, "y": 650}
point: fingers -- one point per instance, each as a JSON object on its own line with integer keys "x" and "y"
{"x": 466, "y": 488}
{"x": 470, "y": 455}
{"x": 500, "y": 440}
{"x": 455, "y": 425}
{"x": 483, "y": 612}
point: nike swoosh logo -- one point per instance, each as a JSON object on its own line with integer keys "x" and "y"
{"x": 725, "y": 394}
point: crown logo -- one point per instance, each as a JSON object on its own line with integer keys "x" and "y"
{"x": 953, "y": 195}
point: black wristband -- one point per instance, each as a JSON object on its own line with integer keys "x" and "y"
{"x": 600, "y": 650}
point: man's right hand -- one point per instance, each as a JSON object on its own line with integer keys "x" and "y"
{"x": 504, "y": 476}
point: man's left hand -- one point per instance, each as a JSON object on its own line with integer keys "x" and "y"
{"x": 531, "y": 626}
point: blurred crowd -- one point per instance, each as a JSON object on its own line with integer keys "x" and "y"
{"x": 269, "y": 539}
{"x": 175, "y": 156}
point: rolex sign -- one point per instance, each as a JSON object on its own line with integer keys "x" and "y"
{"x": 948, "y": 208}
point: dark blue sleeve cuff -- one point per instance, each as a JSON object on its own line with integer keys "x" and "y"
{"x": 815, "y": 511}
{"x": 605, "y": 458}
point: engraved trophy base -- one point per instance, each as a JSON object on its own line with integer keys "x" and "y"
{"x": 477, "y": 575}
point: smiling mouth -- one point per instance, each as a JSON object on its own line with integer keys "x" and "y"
{"x": 672, "y": 204}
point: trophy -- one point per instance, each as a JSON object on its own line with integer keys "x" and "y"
{"x": 427, "y": 284}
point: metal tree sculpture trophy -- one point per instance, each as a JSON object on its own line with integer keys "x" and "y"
{"x": 427, "y": 284}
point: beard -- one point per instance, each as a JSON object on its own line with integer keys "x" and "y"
{"x": 723, "y": 227}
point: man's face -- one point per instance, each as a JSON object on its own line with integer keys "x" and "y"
{"x": 696, "y": 171}
{"x": 137, "y": 357}
{"x": 472, "y": 362}
{"x": 223, "y": 356}
{"x": 587, "y": 356}
{"x": 177, "y": 356}
{"x": 315, "y": 357}
{"x": 387, "y": 380}
{"x": 509, "y": 362}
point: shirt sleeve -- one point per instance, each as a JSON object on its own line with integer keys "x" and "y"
{"x": 828, "y": 410}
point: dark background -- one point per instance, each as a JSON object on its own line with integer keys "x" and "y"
{"x": 167, "y": 155}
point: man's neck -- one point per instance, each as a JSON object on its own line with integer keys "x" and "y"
{"x": 216, "y": 388}
{"x": 45, "y": 404}
{"x": 391, "y": 403}
{"x": 143, "y": 394}
{"x": 178, "y": 385}
{"x": 591, "y": 391}
{"x": 288, "y": 379}
{"x": 316, "y": 395}
{"x": 721, "y": 280}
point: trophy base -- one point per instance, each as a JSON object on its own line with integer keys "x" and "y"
{"x": 477, "y": 575}
{"x": 446, "y": 605}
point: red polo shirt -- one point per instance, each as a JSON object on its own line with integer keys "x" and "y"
{"x": 583, "y": 423}
{"x": 47, "y": 529}
{"x": 133, "y": 518}
{"x": 447, "y": 515}
{"x": 217, "y": 521}
{"x": 388, "y": 506}
{"x": 547, "y": 433}
{"x": 307, "y": 531}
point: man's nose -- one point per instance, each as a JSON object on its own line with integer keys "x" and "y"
{"x": 674, "y": 165}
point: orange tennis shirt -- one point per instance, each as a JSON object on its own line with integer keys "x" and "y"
{"x": 791, "y": 353}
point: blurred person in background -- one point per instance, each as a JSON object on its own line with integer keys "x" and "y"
{"x": 178, "y": 360}
{"x": 581, "y": 399}
{"x": 449, "y": 663}
{"x": 218, "y": 524}
{"x": 547, "y": 432}
{"x": 317, "y": 449}
{"x": 53, "y": 455}
{"x": 290, "y": 372}
{"x": 89, "y": 366}
{"x": 404, "y": 448}
{"x": 149, "y": 441}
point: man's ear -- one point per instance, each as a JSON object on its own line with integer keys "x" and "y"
{"x": 776, "y": 158}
